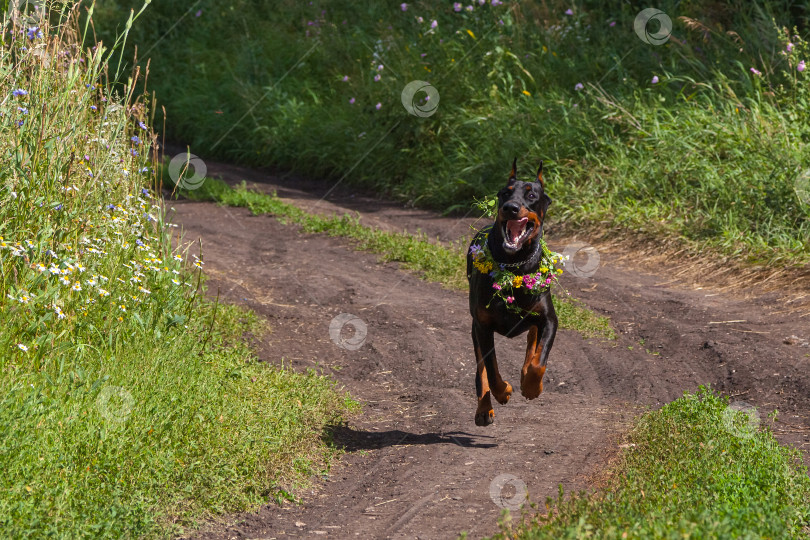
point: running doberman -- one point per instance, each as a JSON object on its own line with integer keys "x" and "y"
{"x": 513, "y": 244}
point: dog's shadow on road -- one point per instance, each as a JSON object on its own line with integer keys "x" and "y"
{"x": 350, "y": 439}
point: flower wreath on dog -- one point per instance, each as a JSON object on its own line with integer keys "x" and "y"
{"x": 506, "y": 282}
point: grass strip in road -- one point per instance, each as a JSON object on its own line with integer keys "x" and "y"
{"x": 433, "y": 262}
{"x": 693, "y": 469}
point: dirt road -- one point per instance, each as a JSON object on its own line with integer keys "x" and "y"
{"x": 416, "y": 465}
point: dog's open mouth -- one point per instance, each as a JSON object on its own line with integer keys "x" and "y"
{"x": 515, "y": 232}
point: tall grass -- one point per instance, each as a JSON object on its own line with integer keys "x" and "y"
{"x": 129, "y": 404}
{"x": 711, "y": 155}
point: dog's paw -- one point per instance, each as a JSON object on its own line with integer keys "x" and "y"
{"x": 531, "y": 383}
{"x": 503, "y": 393}
{"x": 484, "y": 418}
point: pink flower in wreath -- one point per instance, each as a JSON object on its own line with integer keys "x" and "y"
{"x": 529, "y": 281}
{"x": 496, "y": 286}
{"x": 510, "y": 299}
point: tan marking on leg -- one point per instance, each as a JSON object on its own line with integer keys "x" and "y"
{"x": 531, "y": 376}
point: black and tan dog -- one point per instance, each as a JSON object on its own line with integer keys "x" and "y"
{"x": 513, "y": 241}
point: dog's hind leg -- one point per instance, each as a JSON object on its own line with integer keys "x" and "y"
{"x": 537, "y": 348}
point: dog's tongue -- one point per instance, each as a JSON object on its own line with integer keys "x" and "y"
{"x": 516, "y": 227}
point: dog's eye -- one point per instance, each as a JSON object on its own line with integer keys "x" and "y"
{"x": 531, "y": 196}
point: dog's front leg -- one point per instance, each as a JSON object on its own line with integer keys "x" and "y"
{"x": 538, "y": 345}
{"x": 486, "y": 371}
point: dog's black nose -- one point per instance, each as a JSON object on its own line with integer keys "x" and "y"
{"x": 511, "y": 208}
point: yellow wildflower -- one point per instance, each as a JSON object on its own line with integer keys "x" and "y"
{"x": 483, "y": 267}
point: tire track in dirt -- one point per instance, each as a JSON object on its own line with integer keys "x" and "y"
{"x": 416, "y": 466}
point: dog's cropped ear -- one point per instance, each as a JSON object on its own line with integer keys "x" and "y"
{"x": 540, "y": 175}
{"x": 513, "y": 174}
{"x": 544, "y": 201}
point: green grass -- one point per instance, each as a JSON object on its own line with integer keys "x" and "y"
{"x": 696, "y": 470}
{"x": 431, "y": 261}
{"x": 711, "y": 157}
{"x": 130, "y": 404}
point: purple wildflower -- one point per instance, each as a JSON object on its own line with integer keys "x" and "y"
{"x": 141, "y": 125}
{"x": 345, "y": 78}
{"x": 456, "y": 6}
{"x": 377, "y": 77}
{"x": 789, "y": 47}
{"x": 755, "y": 71}
{"x": 612, "y": 24}
{"x": 569, "y": 11}
{"x": 800, "y": 67}
{"x": 199, "y": 12}
{"x": 403, "y": 6}
{"x": 378, "y": 106}
{"x": 654, "y": 79}
{"x": 579, "y": 86}
{"x": 135, "y": 139}
{"x": 434, "y": 23}
{"x": 351, "y": 101}
{"x": 34, "y": 33}
{"x": 19, "y": 92}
